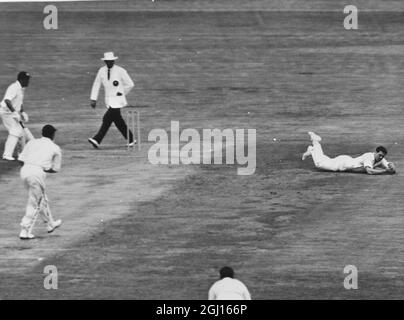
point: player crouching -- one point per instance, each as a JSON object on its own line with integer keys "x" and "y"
{"x": 40, "y": 156}
{"x": 370, "y": 162}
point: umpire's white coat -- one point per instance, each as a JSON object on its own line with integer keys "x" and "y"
{"x": 116, "y": 88}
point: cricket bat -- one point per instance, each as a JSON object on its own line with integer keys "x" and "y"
{"x": 28, "y": 133}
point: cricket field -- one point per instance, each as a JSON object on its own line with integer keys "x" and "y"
{"x": 133, "y": 230}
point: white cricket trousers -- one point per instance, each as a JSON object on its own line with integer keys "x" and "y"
{"x": 15, "y": 132}
{"x": 34, "y": 181}
{"x": 321, "y": 161}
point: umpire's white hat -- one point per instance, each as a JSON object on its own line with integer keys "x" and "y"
{"x": 109, "y": 56}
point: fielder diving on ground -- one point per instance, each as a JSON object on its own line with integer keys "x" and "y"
{"x": 370, "y": 162}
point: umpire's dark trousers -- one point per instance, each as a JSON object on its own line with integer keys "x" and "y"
{"x": 113, "y": 115}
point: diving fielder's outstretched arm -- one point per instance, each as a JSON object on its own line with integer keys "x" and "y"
{"x": 369, "y": 170}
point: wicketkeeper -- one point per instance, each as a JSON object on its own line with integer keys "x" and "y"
{"x": 12, "y": 114}
{"x": 40, "y": 156}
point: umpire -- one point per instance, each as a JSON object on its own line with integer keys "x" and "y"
{"x": 117, "y": 84}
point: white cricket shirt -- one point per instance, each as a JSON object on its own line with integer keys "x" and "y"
{"x": 367, "y": 160}
{"x": 229, "y": 289}
{"x": 42, "y": 152}
{"x": 14, "y": 93}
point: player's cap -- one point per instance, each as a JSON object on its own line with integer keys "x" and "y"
{"x": 23, "y": 75}
{"x": 48, "y": 130}
{"x": 109, "y": 56}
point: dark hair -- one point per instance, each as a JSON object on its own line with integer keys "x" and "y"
{"x": 226, "y": 272}
{"x": 382, "y": 149}
{"x": 23, "y": 75}
{"x": 48, "y": 131}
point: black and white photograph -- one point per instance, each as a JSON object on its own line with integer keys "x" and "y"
{"x": 202, "y": 150}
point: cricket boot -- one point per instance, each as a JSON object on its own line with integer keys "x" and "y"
{"x": 314, "y": 137}
{"x": 54, "y": 225}
{"x": 94, "y": 143}
{"x": 307, "y": 153}
{"x": 26, "y": 235}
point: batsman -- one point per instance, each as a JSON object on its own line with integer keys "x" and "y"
{"x": 40, "y": 156}
{"x": 13, "y": 115}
